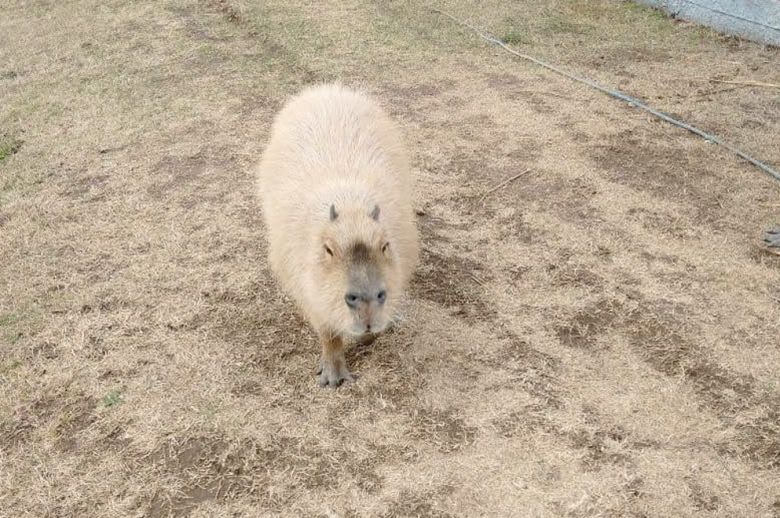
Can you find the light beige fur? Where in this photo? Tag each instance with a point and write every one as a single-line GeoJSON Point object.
{"type": "Point", "coordinates": [336, 187]}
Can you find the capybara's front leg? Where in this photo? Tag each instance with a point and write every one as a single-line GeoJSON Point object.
{"type": "Point", "coordinates": [333, 366]}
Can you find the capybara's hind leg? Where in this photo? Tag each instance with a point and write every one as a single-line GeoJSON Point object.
{"type": "Point", "coordinates": [333, 366]}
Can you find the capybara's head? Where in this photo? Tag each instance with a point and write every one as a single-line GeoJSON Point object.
{"type": "Point", "coordinates": [359, 270]}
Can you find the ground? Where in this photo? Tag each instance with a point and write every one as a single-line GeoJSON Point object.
{"type": "Point", "coordinates": [597, 337]}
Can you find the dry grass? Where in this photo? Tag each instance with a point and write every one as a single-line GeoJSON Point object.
{"type": "Point", "coordinates": [596, 338]}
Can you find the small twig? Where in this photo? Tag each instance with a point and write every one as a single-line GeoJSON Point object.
{"type": "Point", "coordinates": [502, 184]}
{"type": "Point", "coordinates": [103, 151]}
{"type": "Point", "coordinates": [719, 91]}
{"type": "Point", "coordinates": [743, 83]}
{"type": "Point", "coordinates": [552, 94]}
{"type": "Point", "coordinates": [476, 279]}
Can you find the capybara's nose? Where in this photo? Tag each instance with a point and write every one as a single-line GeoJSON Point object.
{"type": "Point", "coordinates": [381, 296]}
{"type": "Point", "coordinates": [352, 300]}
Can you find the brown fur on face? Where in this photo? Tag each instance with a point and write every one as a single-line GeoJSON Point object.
{"type": "Point", "coordinates": [357, 260]}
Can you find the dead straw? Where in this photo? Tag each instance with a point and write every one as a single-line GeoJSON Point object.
{"type": "Point", "coordinates": [743, 83]}
{"type": "Point", "coordinates": [502, 184]}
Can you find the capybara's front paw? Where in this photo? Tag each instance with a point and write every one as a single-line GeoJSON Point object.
{"type": "Point", "coordinates": [333, 372]}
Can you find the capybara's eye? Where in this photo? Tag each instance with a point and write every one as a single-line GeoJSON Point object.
{"type": "Point", "coordinates": [327, 249]}
{"type": "Point", "coordinates": [381, 296]}
{"type": "Point", "coordinates": [384, 247]}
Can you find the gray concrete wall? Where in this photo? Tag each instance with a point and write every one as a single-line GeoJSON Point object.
{"type": "Point", "coordinates": [757, 20]}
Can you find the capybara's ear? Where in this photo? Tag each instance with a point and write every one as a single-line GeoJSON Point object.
{"type": "Point", "coordinates": [333, 213]}
{"type": "Point", "coordinates": [375, 213]}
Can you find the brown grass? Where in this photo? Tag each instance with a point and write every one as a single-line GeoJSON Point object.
{"type": "Point", "coordinates": [596, 338]}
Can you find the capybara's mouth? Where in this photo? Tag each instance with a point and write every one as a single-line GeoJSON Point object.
{"type": "Point", "coordinates": [363, 330]}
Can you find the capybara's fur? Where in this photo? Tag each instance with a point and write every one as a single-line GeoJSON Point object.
{"type": "Point", "coordinates": [335, 185]}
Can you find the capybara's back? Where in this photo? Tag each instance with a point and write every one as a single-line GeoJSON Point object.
{"type": "Point", "coordinates": [335, 186]}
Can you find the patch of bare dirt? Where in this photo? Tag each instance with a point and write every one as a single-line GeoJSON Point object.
{"type": "Point", "coordinates": [532, 370]}
{"type": "Point", "coordinates": [69, 414]}
{"type": "Point", "coordinates": [760, 437]}
{"type": "Point", "coordinates": [595, 448]}
{"type": "Point", "coordinates": [202, 178]}
{"type": "Point", "coordinates": [669, 171]}
{"type": "Point", "coordinates": [442, 429]}
{"type": "Point", "coordinates": [504, 80]}
{"type": "Point", "coordinates": [703, 501]}
{"type": "Point", "coordinates": [657, 333]}
{"type": "Point", "coordinates": [584, 328]}
{"type": "Point", "coordinates": [205, 468]}
{"type": "Point", "coordinates": [419, 504]}
{"type": "Point", "coordinates": [451, 282]}
{"type": "Point", "coordinates": [408, 101]}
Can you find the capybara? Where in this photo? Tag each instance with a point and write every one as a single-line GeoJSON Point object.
{"type": "Point", "coordinates": [336, 190]}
